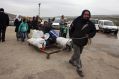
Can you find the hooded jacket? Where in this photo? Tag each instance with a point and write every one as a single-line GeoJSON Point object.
{"type": "Point", "coordinates": [17, 22]}
{"type": "Point", "coordinates": [4, 19]}
{"type": "Point", "coordinates": [81, 30]}
{"type": "Point", "coordinates": [23, 27]}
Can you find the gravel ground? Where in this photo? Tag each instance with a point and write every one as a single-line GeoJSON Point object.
{"type": "Point", "coordinates": [20, 61]}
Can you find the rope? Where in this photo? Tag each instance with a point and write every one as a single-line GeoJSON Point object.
{"type": "Point", "coordinates": [88, 44]}
{"type": "Point", "coordinates": [79, 38]}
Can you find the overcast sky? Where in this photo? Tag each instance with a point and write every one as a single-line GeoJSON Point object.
{"type": "Point", "coordinates": [59, 7]}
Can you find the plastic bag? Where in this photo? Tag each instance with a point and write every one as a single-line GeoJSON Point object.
{"type": "Point", "coordinates": [37, 34]}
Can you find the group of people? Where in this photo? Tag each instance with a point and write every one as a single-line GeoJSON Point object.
{"type": "Point", "coordinates": [62, 24]}
{"type": "Point", "coordinates": [23, 26]}
{"type": "Point", "coordinates": [63, 27]}
{"type": "Point", "coordinates": [80, 31]}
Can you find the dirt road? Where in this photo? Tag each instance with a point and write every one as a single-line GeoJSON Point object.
{"type": "Point", "coordinates": [20, 61]}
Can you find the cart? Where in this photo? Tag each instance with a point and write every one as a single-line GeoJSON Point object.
{"type": "Point", "coordinates": [49, 50]}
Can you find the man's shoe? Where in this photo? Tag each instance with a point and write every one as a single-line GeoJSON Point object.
{"type": "Point", "coordinates": [72, 63]}
{"type": "Point", "coordinates": [80, 73]}
{"type": "Point", "coordinates": [3, 40]}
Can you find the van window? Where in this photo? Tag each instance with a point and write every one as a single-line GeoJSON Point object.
{"type": "Point", "coordinates": [94, 21]}
{"type": "Point", "coordinates": [101, 23]}
{"type": "Point", "coordinates": [57, 20]}
{"type": "Point", "coordinates": [108, 23]}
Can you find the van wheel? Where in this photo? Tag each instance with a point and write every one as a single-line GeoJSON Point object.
{"type": "Point", "coordinates": [115, 33]}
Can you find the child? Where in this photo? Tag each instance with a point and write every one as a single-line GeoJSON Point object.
{"type": "Point", "coordinates": [65, 30]}
{"type": "Point", "coordinates": [17, 22]}
{"type": "Point", "coordinates": [23, 28]}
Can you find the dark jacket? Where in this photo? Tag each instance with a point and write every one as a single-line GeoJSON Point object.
{"type": "Point", "coordinates": [29, 26]}
{"type": "Point", "coordinates": [35, 24]}
{"type": "Point", "coordinates": [17, 23]}
{"type": "Point", "coordinates": [46, 28]}
{"type": "Point", "coordinates": [78, 31]}
{"type": "Point", "coordinates": [4, 20]}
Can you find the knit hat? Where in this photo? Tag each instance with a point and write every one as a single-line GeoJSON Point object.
{"type": "Point", "coordinates": [1, 10]}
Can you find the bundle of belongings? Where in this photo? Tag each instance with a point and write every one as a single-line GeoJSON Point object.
{"type": "Point", "coordinates": [41, 40]}
{"type": "Point", "coordinates": [65, 43]}
{"type": "Point", "coordinates": [37, 39]}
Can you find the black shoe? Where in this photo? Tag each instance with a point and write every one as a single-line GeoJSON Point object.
{"type": "Point", "coordinates": [3, 40]}
{"type": "Point", "coordinates": [80, 73]}
{"type": "Point", "coordinates": [22, 40]}
{"type": "Point", "coordinates": [72, 63]}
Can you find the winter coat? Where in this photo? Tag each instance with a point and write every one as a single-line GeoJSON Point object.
{"type": "Point", "coordinates": [17, 23]}
{"type": "Point", "coordinates": [29, 26]}
{"type": "Point", "coordinates": [4, 20]}
{"type": "Point", "coordinates": [23, 27]}
{"type": "Point", "coordinates": [46, 28]}
{"type": "Point", "coordinates": [35, 24]}
{"type": "Point", "coordinates": [65, 29]}
{"type": "Point", "coordinates": [81, 30]}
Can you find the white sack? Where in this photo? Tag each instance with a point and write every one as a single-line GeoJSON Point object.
{"type": "Point", "coordinates": [63, 41]}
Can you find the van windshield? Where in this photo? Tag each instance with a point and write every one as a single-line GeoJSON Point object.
{"type": "Point", "coordinates": [95, 21]}
{"type": "Point", "coordinates": [109, 23]}
{"type": "Point", "coordinates": [57, 20]}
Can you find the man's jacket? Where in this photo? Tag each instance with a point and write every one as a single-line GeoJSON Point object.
{"type": "Point", "coordinates": [4, 19]}
{"type": "Point", "coordinates": [81, 30]}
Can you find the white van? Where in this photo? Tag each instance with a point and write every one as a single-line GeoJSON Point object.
{"type": "Point", "coordinates": [95, 21]}
{"type": "Point", "coordinates": [107, 26]}
{"type": "Point", "coordinates": [56, 23]}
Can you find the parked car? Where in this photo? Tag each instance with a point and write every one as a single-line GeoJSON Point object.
{"type": "Point", "coordinates": [11, 23]}
{"type": "Point", "coordinates": [56, 23]}
{"type": "Point", "coordinates": [95, 21]}
{"type": "Point", "coordinates": [107, 26]}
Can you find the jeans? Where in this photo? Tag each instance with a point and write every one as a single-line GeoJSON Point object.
{"type": "Point", "coordinates": [76, 55]}
{"type": "Point", "coordinates": [23, 36]}
{"type": "Point", "coordinates": [2, 33]}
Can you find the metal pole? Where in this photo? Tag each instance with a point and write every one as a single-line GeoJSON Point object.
{"type": "Point", "coordinates": [39, 8]}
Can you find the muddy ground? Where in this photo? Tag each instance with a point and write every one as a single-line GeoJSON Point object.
{"type": "Point", "coordinates": [20, 61]}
